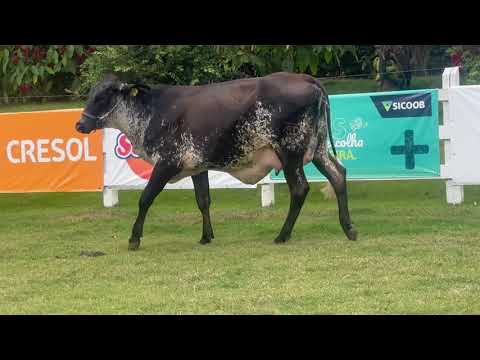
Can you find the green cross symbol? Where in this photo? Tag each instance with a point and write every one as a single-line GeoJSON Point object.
{"type": "Point", "coordinates": [409, 150]}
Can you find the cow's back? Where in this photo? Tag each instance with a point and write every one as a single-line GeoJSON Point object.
{"type": "Point", "coordinates": [239, 125]}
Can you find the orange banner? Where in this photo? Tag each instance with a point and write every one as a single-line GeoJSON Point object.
{"type": "Point", "coordinates": [42, 152]}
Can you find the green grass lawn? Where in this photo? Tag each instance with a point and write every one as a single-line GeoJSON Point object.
{"type": "Point", "coordinates": [415, 254]}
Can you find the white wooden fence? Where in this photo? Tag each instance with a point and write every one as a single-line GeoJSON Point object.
{"type": "Point", "coordinates": [459, 131]}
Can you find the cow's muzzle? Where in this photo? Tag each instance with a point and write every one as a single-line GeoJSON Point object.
{"type": "Point", "coordinates": [80, 127]}
{"type": "Point", "coordinates": [84, 127]}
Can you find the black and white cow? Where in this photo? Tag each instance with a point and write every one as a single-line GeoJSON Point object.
{"type": "Point", "coordinates": [243, 127]}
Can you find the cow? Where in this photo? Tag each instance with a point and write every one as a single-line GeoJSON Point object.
{"type": "Point", "coordinates": [245, 127]}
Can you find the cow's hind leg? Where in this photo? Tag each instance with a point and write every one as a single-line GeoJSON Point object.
{"type": "Point", "coordinates": [329, 166]}
{"type": "Point", "coordinates": [202, 194]}
{"type": "Point", "coordinates": [298, 186]}
{"type": "Point", "coordinates": [161, 174]}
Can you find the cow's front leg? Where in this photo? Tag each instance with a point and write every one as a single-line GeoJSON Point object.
{"type": "Point", "coordinates": [298, 186]}
{"type": "Point", "coordinates": [161, 174]}
{"type": "Point", "coordinates": [337, 175]}
{"type": "Point", "coordinates": [202, 194]}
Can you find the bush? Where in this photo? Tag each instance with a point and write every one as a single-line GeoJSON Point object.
{"type": "Point", "coordinates": [471, 64]}
{"type": "Point", "coordinates": [202, 64]}
{"type": "Point", "coordinates": [35, 70]}
{"type": "Point", "coordinates": [468, 58]}
{"type": "Point", "coordinates": [167, 64]}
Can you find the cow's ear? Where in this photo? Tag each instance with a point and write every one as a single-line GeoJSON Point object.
{"type": "Point", "coordinates": [133, 89]}
{"type": "Point", "coordinates": [142, 87]}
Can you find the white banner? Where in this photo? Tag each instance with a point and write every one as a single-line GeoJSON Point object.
{"type": "Point", "coordinates": [124, 170]}
{"type": "Point", "coordinates": [465, 134]}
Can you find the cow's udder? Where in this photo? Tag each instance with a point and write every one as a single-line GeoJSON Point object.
{"type": "Point", "coordinates": [263, 161]}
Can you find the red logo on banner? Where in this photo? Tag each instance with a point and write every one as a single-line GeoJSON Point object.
{"type": "Point", "coordinates": [124, 150]}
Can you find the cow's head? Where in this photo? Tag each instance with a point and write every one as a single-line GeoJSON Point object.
{"type": "Point", "coordinates": [103, 100]}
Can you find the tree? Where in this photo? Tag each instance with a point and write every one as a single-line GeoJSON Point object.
{"type": "Point", "coordinates": [421, 56]}
{"type": "Point", "coordinates": [393, 65]}
{"type": "Point", "coordinates": [265, 59]}
{"type": "Point", "coordinates": [468, 58]}
{"type": "Point", "coordinates": [168, 64]}
{"type": "Point", "coordinates": [201, 64]}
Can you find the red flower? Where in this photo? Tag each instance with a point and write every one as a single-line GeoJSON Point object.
{"type": "Point", "coordinates": [91, 50]}
{"type": "Point", "coordinates": [26, 52]}
{"type": "Point", "coordinates": [456, 59]}
{"type": "Point", "coordinates": [36, 53]}
{"type": "Point", "coordinates": [80, 59]}
{"type": "Point", "coordinates": [15, 60]}
{"type": "Point", "coordinates": [24, 88]}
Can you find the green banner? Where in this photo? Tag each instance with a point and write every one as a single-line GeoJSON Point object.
{"type": "Point", "coordinates": [389, 135]}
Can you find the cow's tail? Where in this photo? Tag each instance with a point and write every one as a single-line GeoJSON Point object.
{"type": "Point", "coordinates": [325, 104]}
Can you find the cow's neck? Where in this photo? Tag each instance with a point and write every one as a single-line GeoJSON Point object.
{"type": "Point", "coordinates": [132, 117]}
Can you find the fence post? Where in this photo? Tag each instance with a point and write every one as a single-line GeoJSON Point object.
{"type": "Point", "coordinates": [450, 78]}
{"type": "Point", "coordinates": [110, 197]}
{"type": "Point", "coordinates": [268, 195]}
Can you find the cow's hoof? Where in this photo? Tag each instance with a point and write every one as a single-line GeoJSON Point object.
{"type": "Point", "coordinates": [352, 234]}
{"type": "Point", "coordinates": [205, 241]}
{"type": "Point", "coordinates": [133, 245]}
{"type": "Point", "coordinates": [281, 239]}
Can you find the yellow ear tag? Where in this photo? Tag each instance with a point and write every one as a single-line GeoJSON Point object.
{"type": "Point", "coordinates": [134, 92]}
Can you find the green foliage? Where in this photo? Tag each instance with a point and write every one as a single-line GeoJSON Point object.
{"type": "Point", "coordinates": [50, 69]}
{"type": "Point", "coordinates": [201, 64]}
{"type": "Point", "coordinates": [39, 69]}
{"type": "Point", "coordinates": [468, 58]}
{"type": "Point", "coordinates": [168, 64]}
{"type": "Point", "coordinates": [472, 69]}
{"type": "Point", "coordinates": [264, 59]}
